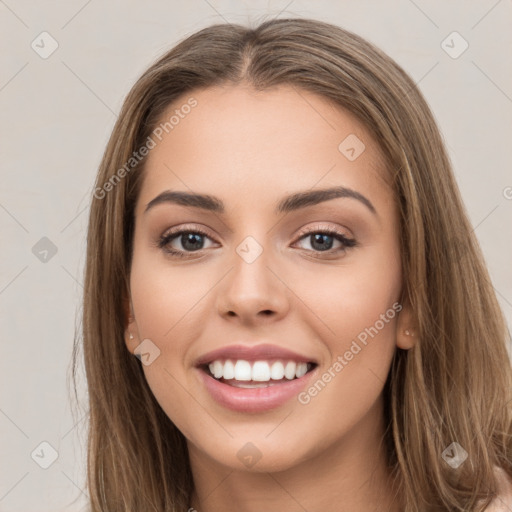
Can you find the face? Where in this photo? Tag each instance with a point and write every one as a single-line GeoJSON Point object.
{"type": "Point", "coordinates": [282, 277]}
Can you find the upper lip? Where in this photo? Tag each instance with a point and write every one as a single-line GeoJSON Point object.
{"type": "Point", "coordinates": [253, 353]}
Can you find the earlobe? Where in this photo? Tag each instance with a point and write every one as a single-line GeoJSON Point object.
{"type": "Point", "coordinates": [130, 333]}
{"type": "Point", "coordinates": [406, 336]}
{"type": "Point", "coordinates": [406, 340]}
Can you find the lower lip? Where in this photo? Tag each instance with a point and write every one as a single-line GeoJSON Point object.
{"type": "Point", "coordinates": [256, 399]}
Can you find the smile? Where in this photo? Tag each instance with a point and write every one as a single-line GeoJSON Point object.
{"type": "Point", "coordinates": [255, 386]}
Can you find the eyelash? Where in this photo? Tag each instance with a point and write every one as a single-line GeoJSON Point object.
{"type": "Point", "coordinates": [348, 243]}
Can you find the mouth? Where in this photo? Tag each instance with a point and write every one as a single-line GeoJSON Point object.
{"type": "Point", "coordinates": [255, 386]}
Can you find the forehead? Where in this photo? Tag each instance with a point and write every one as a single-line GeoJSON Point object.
{"type": "Point", "coordinates": [236, 139]}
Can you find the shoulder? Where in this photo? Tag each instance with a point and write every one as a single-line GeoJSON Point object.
{"type": "Point", "coordinates": [503, 501]}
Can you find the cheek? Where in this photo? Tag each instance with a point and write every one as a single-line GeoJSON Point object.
{"type": "Point", "coordinates": [165, 297]}
{"type": "Point", "coordinates": [346, 300]}
{"type": "Point", "coordinates": [356, 309]}
{"type": "Point", "coordinates": [348, 386]}
{"type": "Point", "coordinates": [165, 302]}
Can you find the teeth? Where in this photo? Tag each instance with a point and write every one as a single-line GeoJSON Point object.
{"type": "Point", "coordinates": [289, 370]}
{"type": "Point", "coordinates": [243, 370]}
{"type": "Point", "coordinates": [302, 369]}
{"type": "Point", "coordinates": [277, 371]}
{"type": "Point", "coordinates": [217, 369]}
{"type": "Point", "coordinates": [259, 371]}
{"type": "Point", "coordinates": [229, 370]}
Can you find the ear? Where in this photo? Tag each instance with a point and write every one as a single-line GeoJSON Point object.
{"type": "Point", "coordinates": [406, 333]}
{"type": "Point", "coordinates": [131, 333]}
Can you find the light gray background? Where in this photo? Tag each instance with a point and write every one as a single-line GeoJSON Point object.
{"type": "Point", "coordinates": [57, 114]}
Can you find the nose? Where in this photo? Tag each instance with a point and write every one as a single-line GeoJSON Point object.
{"type": "Point", "coordinates": [253, 293]}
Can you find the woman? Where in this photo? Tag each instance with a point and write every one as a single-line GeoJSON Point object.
{"type": "Point", "coordinates": [277, 236]}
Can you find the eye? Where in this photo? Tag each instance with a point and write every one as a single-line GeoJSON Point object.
{"type": "Point", "coordinates": [186, 240]}
{"type": "Point", "coordinates": [322, 240]}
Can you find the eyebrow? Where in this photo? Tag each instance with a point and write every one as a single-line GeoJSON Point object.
{"type": "Point", "coordinates": [288, 204]}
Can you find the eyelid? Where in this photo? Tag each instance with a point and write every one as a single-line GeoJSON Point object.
{"type": "Point", "coordinates": [324, 228]}
{"type": "Point", "coordinates": [187, 227]}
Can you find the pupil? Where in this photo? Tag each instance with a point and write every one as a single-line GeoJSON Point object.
{"type": "Point", "coordinates": [193, 239]}
{"type": "Point", "coordinates": [320, 239]}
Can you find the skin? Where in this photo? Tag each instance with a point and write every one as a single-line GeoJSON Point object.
{"type": "Point", "coordinates": [250, 149]}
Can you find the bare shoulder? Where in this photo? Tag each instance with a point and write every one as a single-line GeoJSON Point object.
{"type": "Point", "coordinates": [503, 501]}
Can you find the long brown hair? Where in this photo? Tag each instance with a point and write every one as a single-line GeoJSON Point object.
{"type": "Point", "coordinates": [453, 386]}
